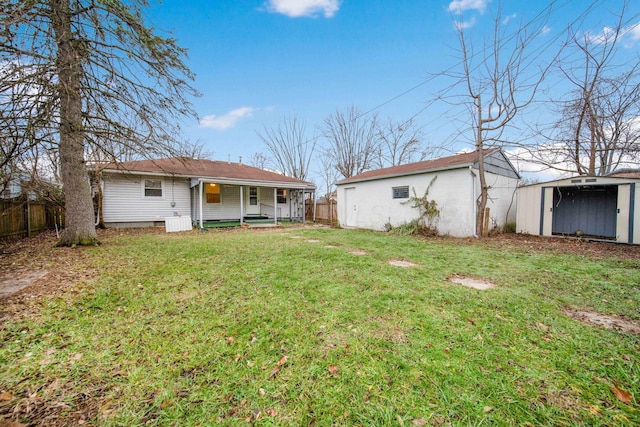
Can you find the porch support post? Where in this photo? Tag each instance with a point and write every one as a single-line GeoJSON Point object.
{"type": "Point", "coordinates": [200, 193]}
{"type": "Point", "coordinates": [314, 205]}
{"type": "Point", "coordinates": [304, 206]}
{"type": "Point", "coordinates": [275, 205]}
{"type": "Point", "coordinates": [241, 205]}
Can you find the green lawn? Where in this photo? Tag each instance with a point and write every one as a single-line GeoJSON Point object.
{"type": "Point", "coordinates": [225, 328]}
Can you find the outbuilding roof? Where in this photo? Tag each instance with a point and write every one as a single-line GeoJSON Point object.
{"type": "Point", "coordinates": [443, 163]}
{"type": "Point", "coordinates": [203, 169]}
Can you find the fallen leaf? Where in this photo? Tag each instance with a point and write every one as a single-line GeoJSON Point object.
{"type": "Point", "coordinates": [282, 360]}
{"type": "Point", "coordinates": [272, 413]}
{"type": "Point", "coordinates": [230, 340]}
{"type": "Point", "coordinates": [5, 395]}
{"type": "Point", "coordinates": [419, 422]}
{"type": "Point", "coordinates": [470, 320]}
{"type": "Point", "coordinates": [488, 409]}
{"type": "Point", "coordinates": [626, 357]}
{"type": "Point", "coordinates": [274, 371]}
{"type": "Point", "coordinates": [262, 392]}
{"type": "Point", "coordinates": [622, 395]}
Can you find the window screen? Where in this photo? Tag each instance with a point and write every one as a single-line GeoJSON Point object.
{"type": "Point", "coordinates": [401, 192]}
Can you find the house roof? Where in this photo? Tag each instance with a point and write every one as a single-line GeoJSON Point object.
{"type": "Point", "coordinates": [206, 170]}
{"type": "Point", "coordinates": [626, 173]}
{"type": "Point", "coordinates": [443, 163]}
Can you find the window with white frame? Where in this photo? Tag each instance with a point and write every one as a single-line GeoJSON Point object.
{"type": "Point", "coordinates": [152, 188]}
{"type": "Point", "coordinates": [401, 192]}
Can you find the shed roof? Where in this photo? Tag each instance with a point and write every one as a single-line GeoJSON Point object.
{"type": "Point", "coordinates": [205, 170]}
{"type": "Point", "coordinates": [443, 163]}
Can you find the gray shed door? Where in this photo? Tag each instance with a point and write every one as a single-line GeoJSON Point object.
{"type": "Point", "coordinates": [591, 210]}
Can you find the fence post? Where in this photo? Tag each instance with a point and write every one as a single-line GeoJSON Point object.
{"type": "Point", "coordinates": [28, 215]}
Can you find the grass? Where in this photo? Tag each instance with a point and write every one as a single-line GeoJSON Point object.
{"type": "Point", "coordinates": [226, 328]}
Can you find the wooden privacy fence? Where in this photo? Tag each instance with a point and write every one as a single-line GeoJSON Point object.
{"type": "Point", "coordinates": [326, 212]}
{"type": "Point", "coordinates": [25, 218]}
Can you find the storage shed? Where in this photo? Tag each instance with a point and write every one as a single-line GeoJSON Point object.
{"type": "Point", "coordinates": [604, 208]}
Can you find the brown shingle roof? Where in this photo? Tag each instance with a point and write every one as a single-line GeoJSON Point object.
{"type": "Point", "coordinates": [443, 163]}
{"type": "Point", "coordinates": [202, 168]}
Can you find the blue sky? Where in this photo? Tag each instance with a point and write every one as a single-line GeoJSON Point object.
{"type": "Point", "coordinates": [258, 61]}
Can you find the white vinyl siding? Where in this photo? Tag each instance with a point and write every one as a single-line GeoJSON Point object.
{"type": "Point", "coordinates": [228, 209]}
{"type": "Point", "coordinates": [123, 200]}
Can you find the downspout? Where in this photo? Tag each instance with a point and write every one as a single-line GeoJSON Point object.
{"type": "Point", "coordinates": [200, 204]}
{"type": "Point", "coordinates": [474, 200]}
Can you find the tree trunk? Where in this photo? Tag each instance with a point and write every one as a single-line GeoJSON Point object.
{"type": "Point", "coordinates": [482, 199]}
{"type": "Point", "coordinates": [79, 229]}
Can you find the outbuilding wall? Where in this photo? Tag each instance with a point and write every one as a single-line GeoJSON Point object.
{"type": "Point", "coordinates": [370, 204]}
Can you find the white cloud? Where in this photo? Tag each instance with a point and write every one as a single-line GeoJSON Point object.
{"type": "Point", "coordinates": [459, 6]}
{"type": "Point", "coordinates": [462, 25]}
{"type": "Point", "coordinates": [228, 120]}
{"type": "Point", "coordinates": [629, 35]}
{"type": "Point", "coordinates": [300, 8]}
{"type": "Point", "coordinates": [546, 29]}
{"type": "Point", "coordinates": [633, 32]}
{"type": "Point", "coordinates": [509, 18]}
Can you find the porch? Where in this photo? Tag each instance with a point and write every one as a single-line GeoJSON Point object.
{"type": "Point", "coordinates": [227, 203]}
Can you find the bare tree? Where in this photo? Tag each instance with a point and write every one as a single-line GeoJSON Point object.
{"type": "Point", "coordinates": [328, 175]}
{"type": "Point", "coordinates": [259, 160]}
{"type": "Point", "coordinates": [498, 85]}
{"type": "Point", "coordinates": [81, 72]}
{"type": "Point", "coordinates": [399, 143]}
{"type": "Point", "coordinates": [291, 148]}
{"type": "Point", "coordinates": [352, 141]}
{"type": "Point", "coordinates": [599, 128]}
{"type": "Point", "coordinates": [193, 150]}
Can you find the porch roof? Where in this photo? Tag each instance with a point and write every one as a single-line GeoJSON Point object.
{"type": "Point", "coordinates": [209, 171]}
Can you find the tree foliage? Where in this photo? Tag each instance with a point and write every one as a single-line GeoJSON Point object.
{"type": "Point", "coordinates": [75, 74]}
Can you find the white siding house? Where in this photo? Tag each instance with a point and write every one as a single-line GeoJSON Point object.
{"type": "Point", "coordinates": [606, 208]}
{"type": "Point", "coordinates": [144, 193]}
{"type": "Point", "coordinates": [376, 198]}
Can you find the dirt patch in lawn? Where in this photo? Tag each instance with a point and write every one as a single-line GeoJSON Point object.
{"type": "Point", "coordinates": [312, 241]}
{"type": "Point", "coordinates": [606, 321]}
{"type": "Point", "coordinates": [402, 263]}
{"type": "Point", "coordinates": [528, 243]}
{"type": "Point", "coordinates": [470, 282]}
{"type": "Point", "coordinates": [358, 252]}
{"type": "Point", "coordinates": [33, 267]}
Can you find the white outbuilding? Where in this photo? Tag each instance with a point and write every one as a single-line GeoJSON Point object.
{"type": "Point", "coordinates": [593, 207]}
{"type": "Point", "coordinates": [377, 198]}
